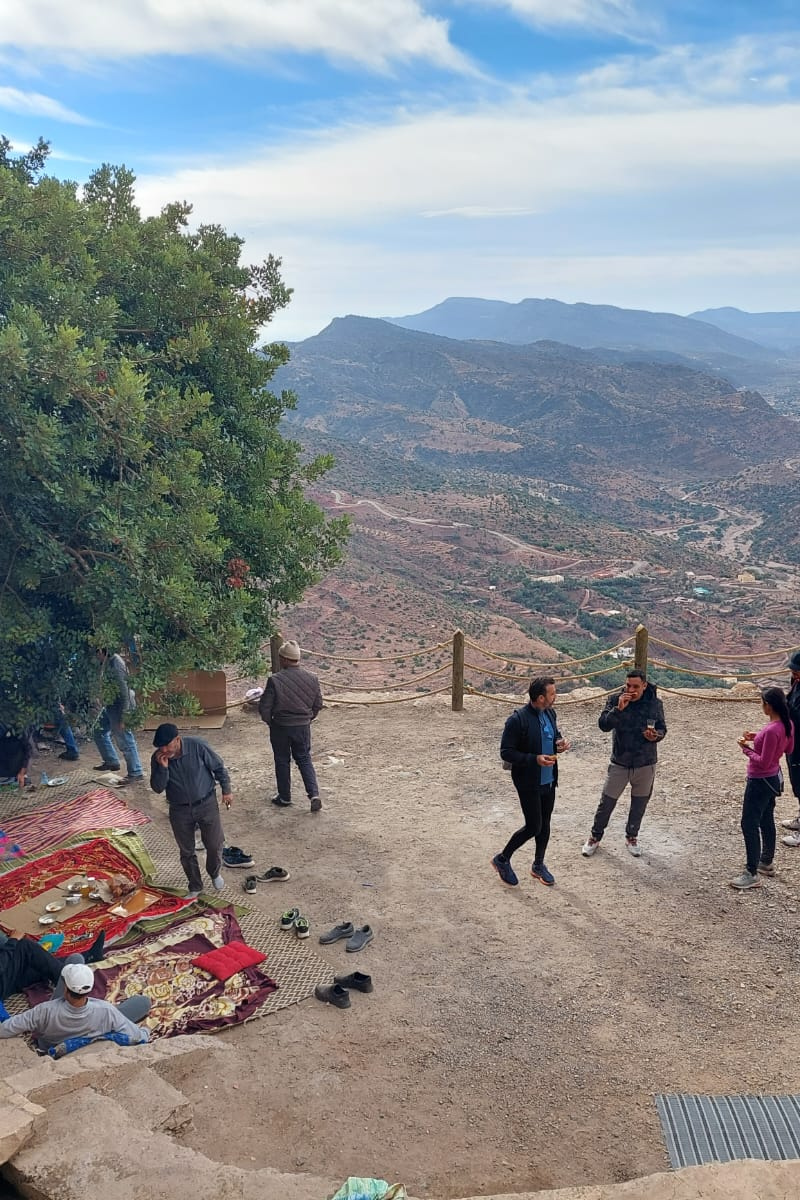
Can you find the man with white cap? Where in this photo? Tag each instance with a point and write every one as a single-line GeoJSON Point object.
{"type": "Point", "coordinates": [289, 703]}
{"type": "Point", "coordinates": [77, 1015]}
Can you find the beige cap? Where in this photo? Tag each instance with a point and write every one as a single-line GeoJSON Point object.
{"type": "Point", "coordinates": [290, 651]}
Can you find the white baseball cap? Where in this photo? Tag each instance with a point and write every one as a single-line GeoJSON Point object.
{"type": "Point", "coordinates": [78, 978]}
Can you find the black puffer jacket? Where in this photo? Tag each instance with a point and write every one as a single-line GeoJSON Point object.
{"type": "Point", "coordinates": [630, 748]}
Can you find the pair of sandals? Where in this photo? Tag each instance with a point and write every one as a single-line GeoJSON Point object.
{"type": "Point", "coordinates": [273, 875]}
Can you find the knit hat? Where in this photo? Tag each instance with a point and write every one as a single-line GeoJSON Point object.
{"type": "Point", "coordinates": [78, 978]}
{"type": "Point", "coordinates": [290, 651]}
{"type": "Point", "coordinates": [166, 733]}
{"type": "Point", "coordinates": [794, 662]}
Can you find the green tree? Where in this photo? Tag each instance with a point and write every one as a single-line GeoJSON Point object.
{"type": "Point", "coordinates": [146, 487]}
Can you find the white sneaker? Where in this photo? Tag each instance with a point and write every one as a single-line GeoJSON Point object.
{"type": "Point", "coordinates": [793, 824]}
{"type": "Point", "coordinates": [589, 847]}
{"type": "Point", "coordinates": [791, 839]}
{"type": "Point", "coordinates": [633, 847]}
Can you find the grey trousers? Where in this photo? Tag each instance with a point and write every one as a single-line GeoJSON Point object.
{"type": "Point", "coordinates": [205, 815]}
{"type": "Point", "coordinates": [641, 780]}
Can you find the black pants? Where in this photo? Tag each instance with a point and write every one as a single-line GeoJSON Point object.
{"type": "Point", "coordinates": [23, 963]}
{"type": "Point", "coordinates": [758, 821]}
{"type": "Point", "coordinates": [537, 805]}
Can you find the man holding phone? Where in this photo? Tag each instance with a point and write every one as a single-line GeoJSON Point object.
{"type": "Point", "coordinates": [188, 770]}
{"type": "Point", "coordinates": [530, 744]}
{"type": "Point", "coordinates": [635, 716]}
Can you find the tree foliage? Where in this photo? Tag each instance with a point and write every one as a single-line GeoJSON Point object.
{"type": "Point", "coordinates": [146, 488]}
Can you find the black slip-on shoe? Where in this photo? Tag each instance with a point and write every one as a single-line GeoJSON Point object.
{"type": "Point", "coordinates": [279, 802]}
{"type": "Point", "coordinates": [332, 993]}
{"type": "Point", "coordinates": [345, 930]}
{"type": "Point", "coordinates": [107, 767]}
{"type": "Point", "coordinates": [357, 980]}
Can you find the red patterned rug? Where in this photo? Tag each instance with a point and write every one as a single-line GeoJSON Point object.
{"type": "Point", "coordinates": [97, 857]}
{"type": "Point", "coordinates": [94, 810]}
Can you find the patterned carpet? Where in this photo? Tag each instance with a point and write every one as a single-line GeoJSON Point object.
{"type": "Point", "coordinates": [294, 965]}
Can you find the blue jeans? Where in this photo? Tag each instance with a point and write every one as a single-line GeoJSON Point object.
{"type": "Point", "coordinates": [110, 721]}
{"type": "Point", "coordinates": [65, 733]}
{"type": "Point", "coordinates": [293, 742]}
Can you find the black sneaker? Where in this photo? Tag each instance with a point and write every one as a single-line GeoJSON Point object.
{"type": "Point", "coordinates": [68, 756]}
{"type": "Point", "coordinates": [316, 804]}
{"type": "Point", "coordinates": [274, 875]}
{"type": "Point", "coordinates": [232, 856]}
{"type": "Point", "coordinates": [107, 767]}
{"type": "Point", "coordinates": [279, 802]}
{"type": "Point", "coordinates": [505, 870]}
{"type": "Point", "coordinates": [332, 993]}
{"type": "Point", "coordinates": [250, 885]}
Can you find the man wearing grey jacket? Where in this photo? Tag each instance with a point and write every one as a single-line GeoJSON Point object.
{"type": "Point", "coordinates": [188, 770]}
{"type": "Point", "coordinates": [289, 703]}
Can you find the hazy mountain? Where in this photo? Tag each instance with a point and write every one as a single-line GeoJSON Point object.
{"type": "Point", "coordinates": [587, 325]}
{"type": "Point", "coordinates": [778, 329]}
{"type": "Point", "coordinates": [525, 409]}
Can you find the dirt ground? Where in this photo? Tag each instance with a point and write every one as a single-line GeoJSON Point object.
{"type": "Point", "coordinates": [515, 1038]}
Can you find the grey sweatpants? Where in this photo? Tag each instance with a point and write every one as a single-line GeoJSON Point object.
{"type": "Point", "coordinates": [641, 780]}
{"type": "Point", "coordinates": [205, 815]}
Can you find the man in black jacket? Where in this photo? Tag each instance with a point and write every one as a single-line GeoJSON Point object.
{"type": "Point", "coordinates": [636, 717]}
{"type": "Point", "coordinates": [531, 740]}
{"type": "Point", "coordinates": [793, 757]}
{"type": "Point", "coordinates": [291, 700]}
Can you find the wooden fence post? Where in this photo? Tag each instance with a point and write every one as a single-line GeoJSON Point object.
{"type": "Point", "coordinates": [640, 649]}
{"type": "Point", "coordinates": [457, 693]}
{"type": "Point", "coordinates": [275, 643]}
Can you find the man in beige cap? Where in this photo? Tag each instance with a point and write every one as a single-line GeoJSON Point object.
{"type": "Point", "coordinates": [289, 703]}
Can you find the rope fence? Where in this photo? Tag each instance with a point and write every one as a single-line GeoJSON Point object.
{"type": "Point", "coordinates": [612, 663]}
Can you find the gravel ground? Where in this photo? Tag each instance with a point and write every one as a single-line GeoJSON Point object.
{"type": "Point", "coordinates": [515, 1038]}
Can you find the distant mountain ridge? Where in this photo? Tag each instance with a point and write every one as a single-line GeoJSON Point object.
{"type": "Point", "coordinates": [780, 330]}
{"type": "Point", "coordinates": [515, 408]}
{"type": "Point", "coordinates": [584, 325]}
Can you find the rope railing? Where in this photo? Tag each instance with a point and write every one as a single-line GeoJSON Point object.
{"type": "Point", "coordinates": [765, 664]}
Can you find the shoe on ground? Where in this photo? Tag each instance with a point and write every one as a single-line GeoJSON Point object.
{"type": "Point", "coordinates": [793, 824]}
{"type": "Point", "coordinates": [68, 756]}
{"type": "Point", "coordinates": [332, 993]}
{"type": "Point", "coordinates": [344, 930]}
{"type": "Point", "coordinates": [633, 847]}
{"type": "Point", "coordinates": [301, 927]}
{"type": "Point", "coordinates": [791, 839]}
{"type": "Point", "coordinates": [218, 883]}
{"type": "Point", "coordinates": [232, 856]}
{"type": "Point", "coordinates": [288, 919]}
{"type": "Point", "coordinates": [359, 939]}
{"type": "Point", "coordinates": [539, 871]}
{"type": "Point", "coordinates": [316, 804]}
{"type": "Point", "coordinates": [355, 980]}
{"type": "Point", "coordinates": [250, 885]}
{"type": "Point", "coordinates": [745, 881]}
{"type": "Point", "coordinates": [274, 875]}
{"type": "Point", "coordinates": [107, 767]}
{"type": "Point", "coordinates": [129, 780]}
{"type": "Point", "coordinates": [589, 847]}
{"type": "Point", "coordinates": [767, 869]}
{"type": "Point", "coordinates": [279, 802]}
{"type": "Point", "coordinates": [505, 870]}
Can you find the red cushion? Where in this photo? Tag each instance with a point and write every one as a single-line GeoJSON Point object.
{"type": "Point", "coordinates": [227, 960]}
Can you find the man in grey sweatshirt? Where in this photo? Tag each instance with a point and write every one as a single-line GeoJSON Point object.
{"type": "Point", "coordinates": [76, 1015]}
{"type": "Point", "coordinates": [188, 770]}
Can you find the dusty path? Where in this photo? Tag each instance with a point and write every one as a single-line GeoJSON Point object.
{"type": "Point", "coordinates": [515, 1038]}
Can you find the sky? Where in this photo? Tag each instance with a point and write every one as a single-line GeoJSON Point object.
{"type": "Point", "coordinates": [392, 153]}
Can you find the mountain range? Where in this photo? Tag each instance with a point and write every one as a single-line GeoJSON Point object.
{"type": "Point", "coordinates": [780, 330]}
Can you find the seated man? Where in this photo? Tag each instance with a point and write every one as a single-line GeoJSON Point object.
{"type": "Point", "coordinates": [24, 962]}
{"type": "Point", "coordinates": [75, 1015]}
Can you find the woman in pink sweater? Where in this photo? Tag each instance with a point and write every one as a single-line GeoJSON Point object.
{"type": "Point", "coordinates": [764, 751]}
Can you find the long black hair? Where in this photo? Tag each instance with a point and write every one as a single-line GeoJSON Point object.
{"type": "Point", "coordinates": [776, 699]}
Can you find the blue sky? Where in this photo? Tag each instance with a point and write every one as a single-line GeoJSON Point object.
{"type": "Point", "coordinates": [395, 152]}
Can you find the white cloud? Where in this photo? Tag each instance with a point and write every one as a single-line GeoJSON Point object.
{"type": "Point", "coordinates": [373, 33]}
{"type": "Point", "coordinates": [34, 104]}
{"type": "Point", "coordinates": [612, 16]}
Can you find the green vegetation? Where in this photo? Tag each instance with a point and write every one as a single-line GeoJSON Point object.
{"type": "Point", "coordinates": [146, 490]}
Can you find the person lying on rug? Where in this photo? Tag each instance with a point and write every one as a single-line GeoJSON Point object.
{"type": "Point", "coordinates": [188, 770]}
{"type": "Point", "coordinates": [77, 1015]}
{"type": "Point", "coordinates": [24, 962]}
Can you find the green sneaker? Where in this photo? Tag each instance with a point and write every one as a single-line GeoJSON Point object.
{"type": "Point", "coordinates": [301, 926]}
{"type": "Point", "coordinates": [288, 919]}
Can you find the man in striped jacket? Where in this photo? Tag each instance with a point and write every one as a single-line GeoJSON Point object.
{"type": "Point", "coordinates": [289, 703]}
